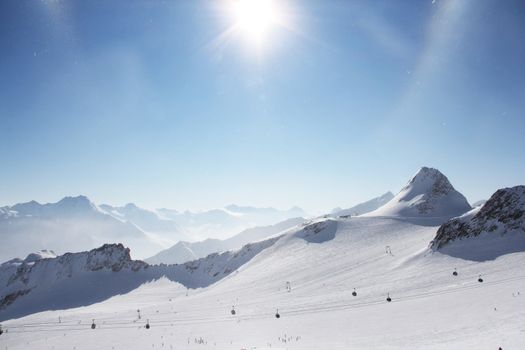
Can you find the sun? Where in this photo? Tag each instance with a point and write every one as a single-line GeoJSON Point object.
{"type": "Point", "coordinates": [255, 18]}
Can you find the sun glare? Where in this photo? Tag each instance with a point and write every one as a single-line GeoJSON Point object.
{"type": "Point", "coordinates": [255, 18]}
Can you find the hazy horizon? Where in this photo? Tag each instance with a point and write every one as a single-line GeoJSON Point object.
{"type": "Point", "coordinates": [183, 105]}
{"type": "Point", "coordinates": [313, 212]}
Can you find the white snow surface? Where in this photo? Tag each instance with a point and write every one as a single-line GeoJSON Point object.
{"type": "Point", "coordinates": [428, 194]}
{"type": "Point", "coordinates": [323, 261]}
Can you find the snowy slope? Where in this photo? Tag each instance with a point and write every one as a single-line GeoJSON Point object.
{"type": "Point", "coordinates": [427, 194]}
{"type": "Point", "coordinates": [323, 261]}
{"type": "Point", "coordinates": [10, 268]}
{"type": "Point", "coordinates": [71, 224]}
{"type": "Point", "coordinates": [42, 282]}
{"type": "Point", "coordinates": [496, 228]}
{"type": "Point", "coordinates": [37, 284]}
{"type": "Point", "coordinates": [186, 251]}
{"type": "Point", "coordinates": [365, 207]}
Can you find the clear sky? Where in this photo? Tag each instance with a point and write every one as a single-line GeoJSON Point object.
{"type": "Point", "coordinates": [180, 104]}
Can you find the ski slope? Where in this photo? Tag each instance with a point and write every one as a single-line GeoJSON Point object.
{"type": "Point", "coordinates": [324, 262]}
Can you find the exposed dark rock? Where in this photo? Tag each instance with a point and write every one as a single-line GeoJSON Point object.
{"type": "Point", "coordinates": [504, 212]}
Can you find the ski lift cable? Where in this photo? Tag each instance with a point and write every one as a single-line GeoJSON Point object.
{"type": "Point", "coordinates": [115, 320]}
{"type": "Point", "coordinates": [271, 294]}
{"type": "Point", "coordinates": [441, 291]}
{"type": "Point", "coordinates": [58, 328]}
{"type": "Point", "coordinates": [465, 277]}
{"type": "Point", "coordinates": [414, 296]}
{"type": "Point", "coordinates": [298, 286]}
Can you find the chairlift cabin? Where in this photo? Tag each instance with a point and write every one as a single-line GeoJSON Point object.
{"type": "Point", "coordinates": [455, 273]}
{"type": "Point", "coordinates": [147, 324]}
{"type": "Point", "coordinates": [388, 298]}
{"type": "Point", "coordinates": [480, 279]}
{"type": "Point", "coordinates": [93, 325]}
{"type": "Point", "coordinates": [277, 315]}
{"type": "Point", "coordinates": [354, 293]}
{"type": "Point", "coordinates": [233, 311]}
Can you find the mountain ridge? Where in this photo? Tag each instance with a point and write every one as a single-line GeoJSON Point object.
{"type": "Point", "coordinates": [495, 228]}
{"type": "Point", "coordinates": [364, 207]}
{"type": "Point", "coordinates": [186, 251]}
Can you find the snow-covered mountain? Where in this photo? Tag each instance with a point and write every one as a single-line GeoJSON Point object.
{"type": "Point", "coordinates": [365, 207]}
{"type": "Point", "coordinates": [364, 282]}
{"type": "Point", "coordinates": [427, 194]}
{"type": "Point", "coordinates": [49, 282]}
{"type": "Point", "coordinates": [479, 203]}
{"type": "Point", "coordinates": [46, 282]}
{"type": "Point", "coordinates": [39, 255]}
{"type": "Point", "coordinates": [76, 223]}
{"type": "Point", "coordinates": [222, 223]}
{"type": "Point", "coordinates": [186, 251]}
{"type": "Point", "coordinates": [307, 274]}
{"type": "Point", "coordinates": [71, 224]}
{"type": "Point", "coordinates": [497, 227]}
{"type": "Point", "coordinates": [31, 258]}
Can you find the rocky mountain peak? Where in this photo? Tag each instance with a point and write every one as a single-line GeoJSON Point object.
{"type": "Point", "coordinates": [502, 214]}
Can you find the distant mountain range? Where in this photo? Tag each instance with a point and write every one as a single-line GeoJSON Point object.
{"type": "Point", "coordinates": [225, 222]}
{"type": "Point", "coordinates": [71, 224]}
{"type": "Point", "coordinates": [169, 236]}
{"type": "Point", "coordinates": [187, 251]}
{"type": "Point", "coordinates": [76, 223]}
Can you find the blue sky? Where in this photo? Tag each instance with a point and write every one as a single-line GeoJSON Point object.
{"type": "Point", "coordinates": [148, 101]}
